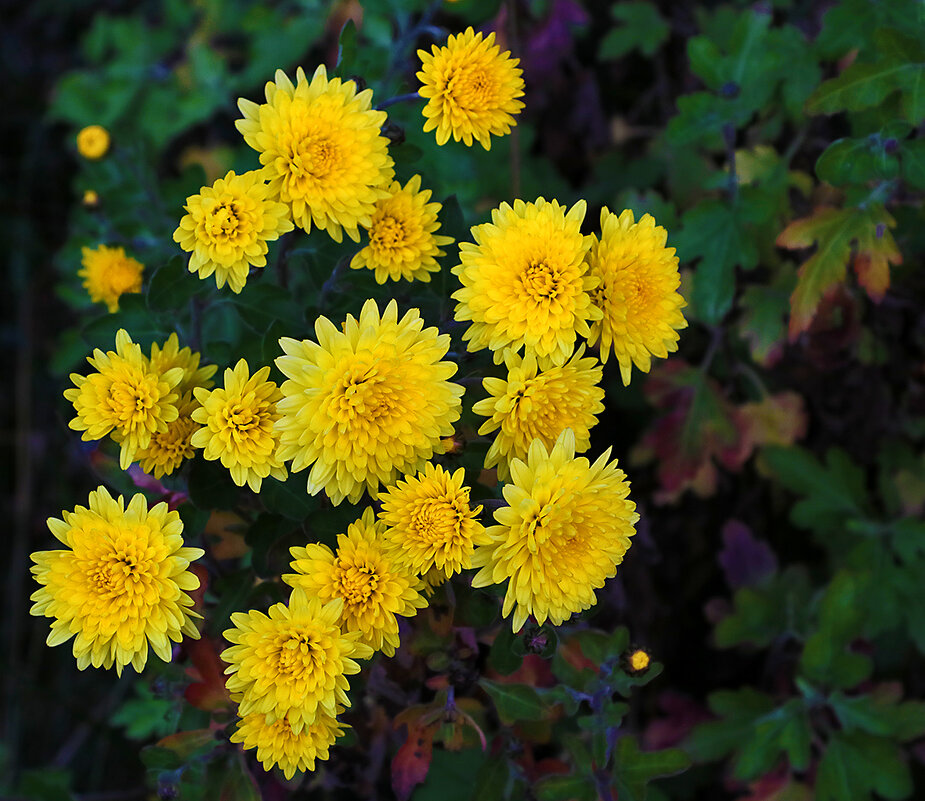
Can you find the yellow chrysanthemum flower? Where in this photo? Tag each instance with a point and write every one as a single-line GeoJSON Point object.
{"type": "Point", "coordinates": [237, 422]}
{"type": "Point", "coordinates": [169, 355]}
{"type": "Point", "coordinates": [402, 238]}
{"type": "Point", "coordinates": [167, 450]}
{"type": "Point", "coordinates": [525, 281]}
{"type": "Point", "coordinates": [322, 150]}
{"type": "Point", "coordinates": [429, 522]}
{"type": "Point", "coordinates": [373, 586]}
{"type": "Point", "coordinates": [293, 662]}
{"type": "Point", "coordinates": [278, 744]}
{"type": "Point", "coordinates": [539, 404]}
{"type": "Point", "coordinates": [368, 403]}
{"type": "Point", "coordinates": [108, 274]}
{"type": "Point", "coordinates": [120, 585]}
{"type": "Point", "coordinates": [565, 530]}
{"type": "Point", "coordinates": [471, 89]}
{"type": "Point", "coordinates": [637, 291]}
{"type": "Point", "coordinates": [93, 142]}
{"type": "Point", "coordinates": [227, 227]}
{"type": "Point", "coordinates": [126, 397]}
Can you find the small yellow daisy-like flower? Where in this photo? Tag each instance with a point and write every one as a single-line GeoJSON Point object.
{"type": "Point", "coordinates": [292, 663]}
{"type": "Point", "coordinates": [429, 522]}
{"type": "Point", "coordinates": [402, 238]}
{"type": "Point", "coordinates": [565, 530]}
{"type": "Point", "coordinates": [374, 588]}
{"type": "Point", "coordinates": [322, 149]}
{"type": "Point", "coordinates": [93, 142]}
{"type": "Point", "coordinates": [278, 744]}
{"type": "Point", "coordinates": [368, 403]}
{"type": "Point", "coordinates": [91, 198]}
{"type": "Point", "coordinates": [471, 89]}
{"type": "Point", "coordinates": [108, 274]}
{"type": "Point", "coordinates": [167, 449]}
{"type": "Point", "coordinates": [637, 291]}
{"type": "Point", "coordinates": [120, 584]}
{"type": "Point", "coordinates": [227, 227]}
{"type": "Point", "coordinates": [169, 355]}
{"type": "Point", "coordinates": [539, 404]}
{"type": "Point", "coordinates": [525, 281]}
{"type": "Point", "coordinates": [126, 398]}
{"type": "Point", "coordinates": [237, 422]}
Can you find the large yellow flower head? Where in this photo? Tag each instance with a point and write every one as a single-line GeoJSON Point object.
{"type": "Point", "coordinates": [93, 142]}
{"type": "Point", "coordinates": [539, 404]}
{"type": "Point", "coordinates": [167, 449]}
{"type": "Point", "coordinates": [525, 281]}
{"type": "Point", "coordinates": [321, 149]}
{"type": "Point", "coordinates": [565, 530]}
{"type": "Point", "coordinates": [374, 588]}
{"type": "Point", "coordinates": [402, 238]}
{"type": "Point", "coordinates": [120, 583]}
{"type": "Point", "coordinates": [169, 355]}
{"type": "Point", "coordinates": [108, 274]}
{"type": "Point", "coordinates": [227, 227]}
{"type": "Point", "coordinates": [293, 662]}
{"type": "Point", "coordinates": [366, 404]}
{"type": "Point", "coordinates": [278, 744]}
{"type": "Point", "coordinates": [237, 422]}
{"type": "Point", "coordinates": [430, 523]}
{"type": "Point", "coordinates": [126, 397]}
{"type": "Point", "coordinates": [471, 89]}
{"type": "Point", "coordinates": [637, 291]}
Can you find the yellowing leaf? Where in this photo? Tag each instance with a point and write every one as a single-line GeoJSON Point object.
{"type": "Point", "coordinates": [876, 252]}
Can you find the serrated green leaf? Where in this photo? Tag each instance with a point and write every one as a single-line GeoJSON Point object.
{"type": "Point", "coordinates": [856, 764]}
{"type": "Point", "coordinates": [515, 702]}
{"type": "Point", "coordinates": [860, 86]}
{"type": "Point", "coordinates": [737, 710]}
{"type": "Point", "coordinates": [642, 27]}
{"type": "Point", "coordinates": [857, 161]}
{"type": "Point", "coordinates": [634, 769]}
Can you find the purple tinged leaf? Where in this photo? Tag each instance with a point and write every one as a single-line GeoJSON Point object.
{"type": "Point", "coordinates": [745, 560]}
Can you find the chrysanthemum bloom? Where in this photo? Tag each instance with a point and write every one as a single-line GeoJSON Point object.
{"type": "Point", "coordinates": [373, 586]}
{"type": "Point", "coordinates": [322, 150]}
{"type": "Point", "coordinates": [169, 355]}
{"type": "Point", "coordinates": [525, 281]}
{"type": "Point", "coordinates": [227, 227]}
{"type": "Point", "coordinates": [471, 89]}
{"type": "Point", "coordinates": [366, 404]}
{"type": "Point", "coordinates": [429, 522]}
{"type": "Point", "coordinates": [402, 238]}
{"type": "Point", "coordinates": [637, 291]}
{"type": "Point", "coordinates": [293, 662]}
{"type": "Point", "coordinates": [120, 585]}
{"type": "Point", "coordinates": [237, 422]}
{"type": "Point", "coordinates": [93, 142]}
{"type": "Point", "coordinates": [539, 404]}
{"type": "Point", "coordinates": [565, 531]}
{"type": "Point", "coordinates": [126, 397]}
{"type": "Point", "coordinates": [167, 449]}
{"type": "Point", "coordinates": [108, 274]}
{"type": "Point", "coordinates": [278, 744]}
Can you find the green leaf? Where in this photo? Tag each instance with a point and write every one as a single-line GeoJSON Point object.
{"type": "Point", "coordinates": [856, 764]}
{"type": "Point", "coordinates": [737, 710]}
{"type": "Point", "coordinates": [880, 714]}
{"type": "Point", "coordinates": [912, 157]}
{"type": "Point", "coordinates": [858, 87]}
{"type": "Point", "coordinates": [856, 161]}
{"type": "Point", "coordinates": [764, 310]}
{"type": "Point", "coordinates": [289, 498]}
{"type": "Point", "coordinates": [566, 788]}
{"type": "Point", "coordinates": [493, 781]}
{"type": "Point", "coordinates": [172, 285]}
{"type": "Point", "coordinates": [634, 769]}
{"type": "Point", "coordinates": [642, 27]}
{"type": "Point", "coordinates": [515, 702]}
{"type": "Point", "coordinates": [347, 49]}
{"type": "Point", "coordinates": [210, 485]}
{"type": "Point", "coordinates": [502, 657]}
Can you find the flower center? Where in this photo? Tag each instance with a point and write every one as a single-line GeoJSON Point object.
{"type": "Point", "coordinates": [239, 418]}
{"type": "Point", "coordinates": [295, 653]}
{"type": "Point", "coordinates": [541, 281]}
{"type": "Point", "coordinates": [356, 584]}
{"type": "Point", "coordinates": [120, 573]}
{"type": "Point", "coordinates": [362, 393]}
{"type": "Point", "coordinates": [314, 156]}
{"type": "Point", "coordinates": [224, 221]}
{"type": "Point", "coordinates": [435, 521]}
{"type": "Point", "coordinates": [132, 398]}
{"type": "Point", "coordinates": [472, 89]}
{"type": "Point", "coordinates": [387, 233]}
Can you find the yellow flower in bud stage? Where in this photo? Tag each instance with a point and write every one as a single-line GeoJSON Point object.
{"type": "Point", "coordinates": [91, 199]}
{"type": "Point", "coordinates": [292, 663]}
{"type": "Point", "coordinates": [169, 355]}
{"type": "Point", "coordinates": [430, 523]}
{"type": "Point", "coordinates": [237, 422]}
{"type": "Point", "coordinates": [227, 227]}
{"type": "Point", "coordinates": [637, 291]}
{"type": "Point", "coordinates": [93, 142]}
{"type": "Point", "coordinates": [366, 404]}
{"type": "Point", "coordinates": [432, 579]}
{"type": "Point", "coordinates": [167, 450]}
{"type": "Point", "coordinates": [539, 404]}
{"type": "Point", "coordinates": [525, 281]}
{"type": "Point", "coordinates": [277, 743]}
{"type": "Point", "coordinates": [374, 587]}
{"type": "Point", "coordinates": [402, 237]}
{"type": "Point", "coordinates": [565, 530]}
{"type": "Point", "coordinates": [120, 585]}
{"type": "Point", "coordinates": [108, 274]}
{"type": "Point", "coordinates": [471, 89]}
{"type": "Point", "coordinates": [126, 398]}
{"type": "Point", "coordinates": [322, 150]}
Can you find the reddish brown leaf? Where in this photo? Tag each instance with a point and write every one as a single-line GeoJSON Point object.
{"type": "Point", "coordinates": [411, 763]}
{"type": "Point", "coordinates": [208, 692]}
